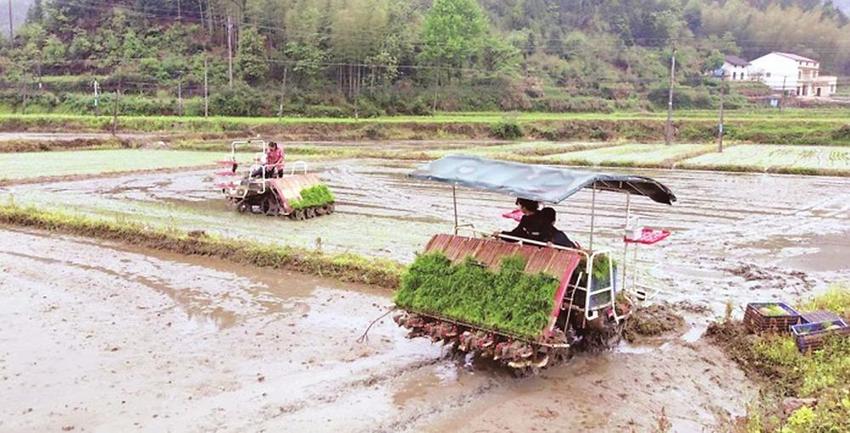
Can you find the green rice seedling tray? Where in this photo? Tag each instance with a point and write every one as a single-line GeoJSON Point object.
{"type": "Point", "coordinates": [778, 317]}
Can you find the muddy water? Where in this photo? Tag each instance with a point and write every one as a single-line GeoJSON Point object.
{"type": "Point", "coordinates": [101, 338]}
{"type": "Point", "coordinates": [736, 237]}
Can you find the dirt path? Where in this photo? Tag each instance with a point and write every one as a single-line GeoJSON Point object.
{"type": "Point", "coordinates": [104, 338]}
{"type": "Point", "coordinates": [67, 136]}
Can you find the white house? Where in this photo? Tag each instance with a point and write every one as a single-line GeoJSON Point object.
{"type": "Point", "coordinates": [735, 68]}
{"type": "Point", "coordinates": [793, 74]}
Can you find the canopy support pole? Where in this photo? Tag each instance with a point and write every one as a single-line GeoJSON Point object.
{"type": "Point", "coordinates": [592, 215]}
{"type": "Point", "coordinates": [454, 203]}
{"type": "Point", "coordinates": [625, 235]}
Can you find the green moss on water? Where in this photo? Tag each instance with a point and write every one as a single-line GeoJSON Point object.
{"type": "Point", "coordinates": [318, 195]}
{"type": "Point", "coordinates": [508, 300]}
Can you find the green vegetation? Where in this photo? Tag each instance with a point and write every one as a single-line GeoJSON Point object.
{"type": "Point", "coordinates": [836, 299]}
{"type": "Point", "coordinates": [818, 127]}
{"type": "Point", "coordinates": [347, 267]}
{"type": "Point", "coordinates": [507, 300]}
{"type": "Point", "coordinates": [314, 196]}
{"type": "Point", "coordinates": [823, 375]}
{"type": "Point", "coordinates": [772, 311]}
{"type": "Point", "coordinates": [506, 130]}
{"type": "Point", "coordinates": [366, 58]}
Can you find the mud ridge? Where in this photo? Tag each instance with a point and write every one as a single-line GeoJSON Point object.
{"type": "Point", "coordinates": [107, 175]}
{"type": "Point", "coordinates": [345, 267]}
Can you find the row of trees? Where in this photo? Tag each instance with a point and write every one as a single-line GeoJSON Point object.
{"type": "Point", "coordinates": [523, 49]}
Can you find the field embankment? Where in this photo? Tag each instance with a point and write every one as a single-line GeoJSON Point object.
{"type": "Point", "coordinates": [346, 267]}
{"type": "Point", "coordinates": [791, 127]}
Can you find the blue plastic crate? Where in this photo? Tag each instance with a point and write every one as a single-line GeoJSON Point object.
{"type": "Point", "coordinates": [811, 336]}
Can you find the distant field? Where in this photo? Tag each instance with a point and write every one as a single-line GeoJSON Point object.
{"type": "Point", "coordinates": [802, 159]}
{"type": "Point", "coordinates": [632, 154]}
{"type": "Point", "coordinates": [757, 158]}
{"type": "Point", "coordinates": [25, 165]}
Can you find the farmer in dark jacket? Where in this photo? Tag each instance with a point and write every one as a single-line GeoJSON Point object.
{"type": "Point", "coordinates": [531, 226]}
{"type": "Point", "coordinates": [550, 233]}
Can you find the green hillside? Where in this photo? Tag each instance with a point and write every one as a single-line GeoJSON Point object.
{"type": "Point", "coordinates": [372, 57]}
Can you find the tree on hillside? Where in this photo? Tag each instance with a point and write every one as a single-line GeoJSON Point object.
{"type": "Point", "coordinates": [454, 32]}
{"type": "Point", "coordinates": [251, 62]}
{"type": "Point", "coordinates": [35, 14]}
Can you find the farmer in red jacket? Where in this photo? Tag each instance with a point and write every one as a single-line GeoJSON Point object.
{"type": "Point", "coordinates": [275, 158]}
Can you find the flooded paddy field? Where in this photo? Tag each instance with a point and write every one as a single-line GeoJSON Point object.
{"type": "Point", "coordinates": [735, 236]}
{"type": "Point", "coordinates": [103, 337]}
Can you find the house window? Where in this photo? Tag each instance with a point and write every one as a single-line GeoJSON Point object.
{"type": "Point", "coordinates": [799, 74]}
{"type": "Point", "coordinates": [734, 75]}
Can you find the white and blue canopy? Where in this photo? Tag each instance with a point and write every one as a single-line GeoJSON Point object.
{"type": "Point", "coordinates": [535, 182]}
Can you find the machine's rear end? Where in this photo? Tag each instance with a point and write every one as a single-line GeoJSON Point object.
{"type": "Point", "coordinates": [522, 305]}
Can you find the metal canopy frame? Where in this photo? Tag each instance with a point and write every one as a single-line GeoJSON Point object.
{"type": "Point", "coordinates": [606, 183]}
{"type": "Point", "coordinates": [535, 182]}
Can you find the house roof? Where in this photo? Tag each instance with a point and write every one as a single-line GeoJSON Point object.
{"type": "Point", "coordinates": [795, 57]}
{"type": "Point", "coordinates": [736, 61]}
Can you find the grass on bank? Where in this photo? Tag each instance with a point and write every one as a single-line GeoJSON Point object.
{"type": "Point", "coordinates": [791, 127]}
{"type": "Point", "coordinates": [786, 373]}
{"type": "Point", "coordinates": [345, 267]}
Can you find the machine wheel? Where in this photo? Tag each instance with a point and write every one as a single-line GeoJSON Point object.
{"type": "Point", "coordinates": [242, 207]}
{"type": "Point", "coordinates": [270, 206]}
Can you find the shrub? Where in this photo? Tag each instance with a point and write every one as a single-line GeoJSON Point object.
{"type": "Point", "coordinates": [842, 133]}
{"type": "Point", "coordinates": [328, 111]}
{"type": "Point", "coordinates": [506, 130]}
{"type": "Point", "coordinates": [241, 100]}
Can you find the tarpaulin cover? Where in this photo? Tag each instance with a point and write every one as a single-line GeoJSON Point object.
{"type": "Point", "coordinates": [535, 182]}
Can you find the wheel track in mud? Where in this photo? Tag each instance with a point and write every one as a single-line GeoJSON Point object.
{"type": "Point", "coordinates": [406, 420]}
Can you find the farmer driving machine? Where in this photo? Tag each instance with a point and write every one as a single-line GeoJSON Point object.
{"type": "Point", "coordinates": [520, 302]}
{"type": "Point", "coordinates": [268, 189]}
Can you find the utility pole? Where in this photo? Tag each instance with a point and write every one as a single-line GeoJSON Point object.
{"type": "Point", "coordinates": [206, 88]}
{"type": "Point", "coordinates": [668, 133]}
{"type": "Point", "coordinates": [230, 51]}
{"type": "Point", "coordinates": [782, 98]}
{"type": "Point", "coordinates": [115, 108]}
{"type": "Point", "coordinates": [180, 98]}
{"type": "Point", "coordinates": [179, 12]}
{"type": "Point", "coordinates": [11, 27]}
{"type": "Point", "coordinates": [282, 92]}
{"type": "Point", "coordinates": [720, 126]}
{"type": "Point", "coordinates": [96, 99]}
